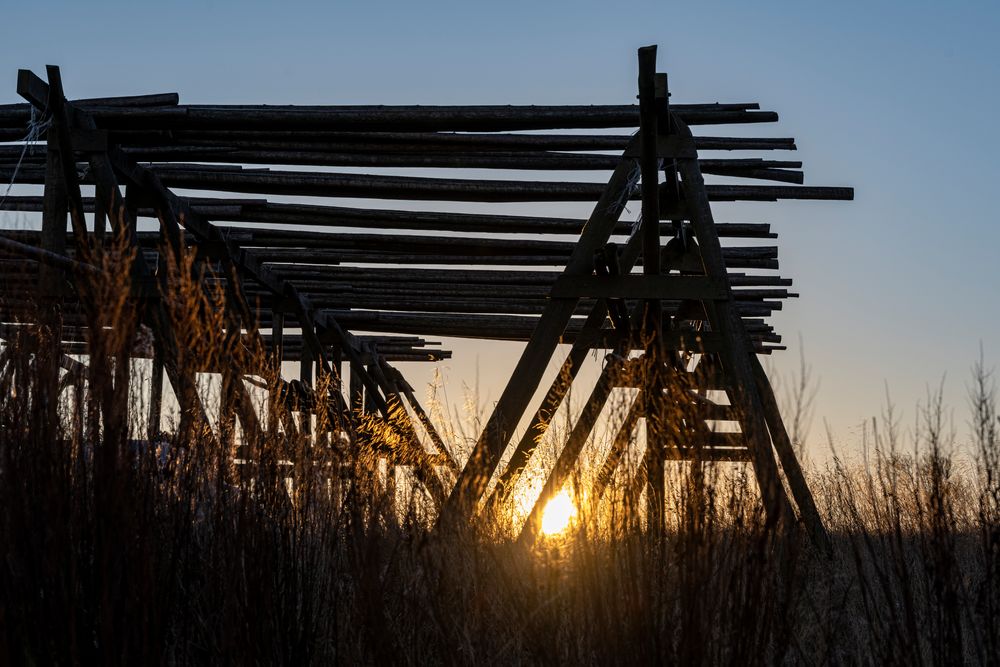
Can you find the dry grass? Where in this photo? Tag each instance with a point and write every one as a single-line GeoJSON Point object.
{"type": "Point", "coordinates": [114, 553]}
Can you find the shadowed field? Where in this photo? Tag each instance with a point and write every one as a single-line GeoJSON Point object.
{"type": "Point", "coordinates": [180, 551]}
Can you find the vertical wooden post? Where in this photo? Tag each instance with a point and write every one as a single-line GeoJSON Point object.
{"type": "Point", "coordinates": [154, 303]}
{"type": "Point", "coordinates": [306, 375]}
{"type": "Point", "coordinates": [357, 388]}
{"type": "Point", "coordinates": [371, 407]}
{"type": "Point", "coordinates": [653, 311]}
{"type": "Point", "coordinates": [123, 359]}
{"type": "Point", "coordinates": [337, 366]}
{"type": "Point", "coordinates": [278, 400]}
{"type": "Point", "coordinates": [228, 389]}
{"type": "Point", "coordinates": [79, 412]}
{"type": "Point", "coordinates": [333, 406]}
{"type": "Point", "coordinates": [155, 396]}
{"type": "Point", "coordinates": [100, 223]}
{"type": "Point", "coordinates": [399, 421]}
{"type": "Point", "coordinates": [648, 131]}
{"type": "Point", "coordinates": [278, 333]}
{"type": "Point", "coordinates": [55, 206]}
{"type": "Point", "coordinates": [53, 238]}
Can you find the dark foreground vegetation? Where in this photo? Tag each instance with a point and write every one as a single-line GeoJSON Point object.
{"type": "Point", "coordinates": [172, 552]}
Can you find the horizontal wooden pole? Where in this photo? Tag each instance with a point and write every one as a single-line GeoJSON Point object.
{"type": "Point", "coordinates": [318, 184]}
{"type": "Point", "coordinates": [19, 114]}
{"type": "Point", "coordinates": [762, 170]}
{"type": "Point", "coordinates": [16, 248]}
{"type": "Point", "coordinates": [487, 327]}
{"type": "Point", "coordinates": [469, 276]}
{"type": "Point", "coordinates": [525, 160]}
{"type": "Point", "coordinates": [290, 352]}
{"type": "Point", "coordinates": [412, 118]}
{"type": "Point", "coordinates": [492, 253]}
{"type": "Point", "coordinates": [776, 192]}
{"type": "Point", "coordinates": [390, 248]}
{"type": "Point", "coordinates": [377, 187]}
{"type": "Point", "coordinates": [637, 286]}
{"type": "Point", "coordinates": [491, 292]}
{"type": "Point", "coordinates": [262, 212]}
{"type": "Point", "coordinates": [375, 142]}
{"type": "Point", "coordinates": [80, 333]}
{"type": "Point", "coordinates": [440, 303]}
{"type": "Point", "coordinates": [438, 189]}
{"type": "Point", "coordinates": [474, 279]}
{"type": "Point", "coordinates": [332, 216]}
{"type": "Point", "coordinates": [484, 327]}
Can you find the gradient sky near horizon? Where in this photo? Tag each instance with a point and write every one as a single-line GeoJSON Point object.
{"type": "Point", "coordinates": [897, 99]}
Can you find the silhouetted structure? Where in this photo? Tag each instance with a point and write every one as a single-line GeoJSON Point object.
{"type": "Point", "coordinates": [678, 319]}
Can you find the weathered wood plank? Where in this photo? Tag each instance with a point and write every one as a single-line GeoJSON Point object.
{"type": "Point", "coordinates": [415, 142]}
{"type": "Point", "coordinates": [409, 119]}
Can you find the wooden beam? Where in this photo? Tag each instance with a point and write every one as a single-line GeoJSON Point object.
{"type": "Point", "coordinates": [262, 212]}
{"type": "Point", "coordinates": [789, 462]}
{"type": "Point", "coordinates": [636, 286]}
{"type": "Point", "coordinates": [737, 353]}
{"type": "Point", "coordinates": [471, 484]}
{"type": "Point", "coordinates": [320, 184]}
{"type": "Point", "coordinates": [414, 142]}
{"type": "Point", "coordinates": [588, 339]}
{"type": "Point", "coordinates": [408, 119]}
{"type": "Point", "coordinates": [652, 133]}
{"type": "Point", "coordinates": [155, 398]}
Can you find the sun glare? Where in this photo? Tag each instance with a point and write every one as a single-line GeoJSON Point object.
{"type": "Point", "coordinates": [558, 514]}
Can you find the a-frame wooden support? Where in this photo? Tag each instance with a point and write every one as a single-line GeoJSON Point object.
{"type": "Point", "coordinates": [707, 322]}
{"type": "Point", "coordinates": [319, 330]}
{"type": "Point", "coordinates": [475, 477]}
{"type": "Point", "coordinates": [49, 98]}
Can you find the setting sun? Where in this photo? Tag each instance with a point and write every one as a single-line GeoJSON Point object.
{"type": "Point", "coordinates": [559, 512]}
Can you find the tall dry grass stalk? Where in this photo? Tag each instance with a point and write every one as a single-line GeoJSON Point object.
{"type": "Point", "coordinates": [186, 550]}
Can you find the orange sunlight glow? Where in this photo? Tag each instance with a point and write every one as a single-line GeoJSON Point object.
{"type": "Point", "coordinates": [558, 514]}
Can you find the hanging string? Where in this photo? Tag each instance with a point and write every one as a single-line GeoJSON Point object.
{"type": "Point", "coordinates": [636, 225]}
{"type": "Point", "coordinates": [36, 127]}
{"type": "Point", "coordinates": [633, 186]}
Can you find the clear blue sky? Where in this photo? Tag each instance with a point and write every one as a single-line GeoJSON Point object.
{"type": "Point", "coordinates": [898, 99]}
